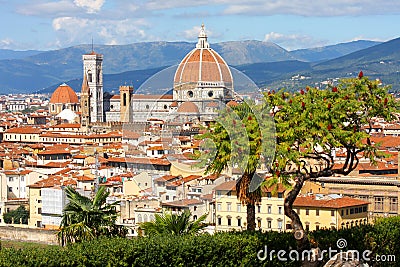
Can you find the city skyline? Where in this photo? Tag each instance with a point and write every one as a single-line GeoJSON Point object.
{"type": "Point", "coordinates": [46, 25]}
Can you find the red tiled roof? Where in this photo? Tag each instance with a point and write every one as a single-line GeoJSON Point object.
{"type": "Point", "coordinates": [141, 161]}
{"type": "Point", "coordinates": [67, 125]}
{"type": "Point", "coordinates": [24, 130]}
{"type": "Point", "coordinates": [226, 186]}
{"type": "Point", "coordinates": [84, 178]}
{"type": "Point", "coordinates": [182, 203]}
{"type": "Point", "coordinates": [49, 182]}
{"type": "Point", "coordinates": [54, 151]}
{"type": "Point", "coordinates": [335, 203]}
{"type": "Point", "coordinates": [166, 178]}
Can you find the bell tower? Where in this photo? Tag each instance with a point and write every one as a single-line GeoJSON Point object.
{"type": "Point", "coordinates": [93, 71]}
{"type": "Point", "coordinates": [125, 93]}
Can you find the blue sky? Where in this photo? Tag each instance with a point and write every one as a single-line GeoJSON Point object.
{"type": "Point", "coordinates": [292, 24]}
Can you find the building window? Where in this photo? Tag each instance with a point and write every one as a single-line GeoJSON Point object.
{"type": "Point", "coordinates": [280, 210]}
{"type": "Point", "coordinates": [9, 189]}
{"type": "Point", "coordinates": [194, 217]}
{"type": "Point", "coordinates": [219, 207]}
{"type": "Point", "coordinates": [10, 179]}
{"type": "Point", "coordinates": [258, 208]}
{"type": "Point", "coordinates": [332, 213]}
{"type": "Point", "coordinates": [280, 225]}
{"type": "Point", "coordinates": [124, 99]}
{"type": "Point", "coordinates": [229, 221]}
{"type": "Point", "coordinates": [219, 221]}
{"type": "Point", "coordinates": [269, 195]}
{"type": "Point", "coordinates": [239, 222]}
{"type": "Point", "coordinates": [269, 224]}
{"type": "Point", "coordinates": [228, 206]}
{"type": "Point", "coordinates": [379, 203]}
{"type": "Point", "coordinates": [307, 212]}
{"type": "Point", "coordinates": [39, 210]}
{"type": "Point", "coordinates": [238, 207]}
{"type": "Point", "coordinates": [394, 204]}
{"type": "Point", "coordinates": [280, 195]}
{"type": "Point", "coordinates": [259, 223]}
{"type": "Point", "coordinates": [317, 227]}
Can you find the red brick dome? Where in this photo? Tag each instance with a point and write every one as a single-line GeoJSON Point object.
{"type": "Point", "coordinates": [203, 67]}
{"type": "Point", "coordinates": [188, 107]}
{"type": "Point", "coordinates": [64, 94]}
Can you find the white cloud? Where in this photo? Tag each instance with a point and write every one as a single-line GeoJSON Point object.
{"type": "Point", "coordinates": [313, 8]}
{"type": "Point", "coordinates": [6, 43]}
{"type": "Point", "coordinates": [73, 30]}
{"type": "Point", "coordinates": [293, 41]}
{"type": "Point", "coordinates": [50, 9]}
{"type": "Point", "coordinates": [92, 6]}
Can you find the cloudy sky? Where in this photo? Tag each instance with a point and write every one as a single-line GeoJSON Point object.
{"type": "Point", "coordinates": [292, 24]}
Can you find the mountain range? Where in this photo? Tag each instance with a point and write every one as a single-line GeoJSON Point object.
{"type": "Point", "coordinates": [267, 64]}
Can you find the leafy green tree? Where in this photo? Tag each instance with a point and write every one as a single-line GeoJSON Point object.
{"type": "Point", "coordinates": [243, 137]}
{"type": "Point", "coordinates": [175, 224]}
{"type": "Point", "coordinates": [86, 219]}
{"type": "Point", "coordinates": [313, 123]}
{"type": "Point", "coordinates": [17, 216]}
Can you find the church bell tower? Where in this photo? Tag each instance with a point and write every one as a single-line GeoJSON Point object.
{"type": "Point", "coordinates": [93, 71]}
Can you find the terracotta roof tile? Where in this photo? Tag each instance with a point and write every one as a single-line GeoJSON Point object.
{"type": "Point", "coordinates": [335, 203]}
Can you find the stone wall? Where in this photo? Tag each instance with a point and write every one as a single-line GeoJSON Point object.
{"type": "Point", "coordinates": [28, 234]}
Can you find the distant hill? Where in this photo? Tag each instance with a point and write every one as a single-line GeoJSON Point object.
{"type": "Point", "coordinates": [331, 51]}
{"type": "Point", "coordinates": [41, 70]}
{"type": "Point", "coordinates": [12, 54]}
{"type": "Point", "coordinates": [381, 61]}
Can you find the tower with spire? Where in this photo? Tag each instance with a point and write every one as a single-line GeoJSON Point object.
{"type": "Point", "coordinates": [93, 73]}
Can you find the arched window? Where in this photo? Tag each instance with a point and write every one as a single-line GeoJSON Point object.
{"type": "Point", "coordinates": [124, 99]}
{"type": "Point", "coordinates": [139, 218]}
{"type": "Point", "coordinates": [89, 75]}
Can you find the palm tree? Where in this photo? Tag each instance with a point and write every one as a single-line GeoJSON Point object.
{"type": "Point", "coordinates": [86, 219]}
{"type": "Point", "coordinates": [175, 224]}
{"type": "Point", "coordinates": [240, 141]}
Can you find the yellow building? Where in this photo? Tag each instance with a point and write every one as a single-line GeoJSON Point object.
{"type": "Point", "coordinates": [330, 211]}
{"type": "Point", "coordinates": [382, 192]}
{"type": "Point", "coordinates": [35, 207]}
{"type": "Point", "coordinates": [231, 214]}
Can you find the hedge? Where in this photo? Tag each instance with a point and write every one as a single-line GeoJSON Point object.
{"type": "Point", "coordinates": [220, 249]}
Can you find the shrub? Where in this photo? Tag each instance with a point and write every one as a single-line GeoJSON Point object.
{"type": "Point", "coordinates": [220, 249]}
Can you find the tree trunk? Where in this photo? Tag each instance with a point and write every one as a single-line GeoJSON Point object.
{"type": "Point", "coordinates": [301, 236]}
{"type": "Point", "coordinates": [251, 217]}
